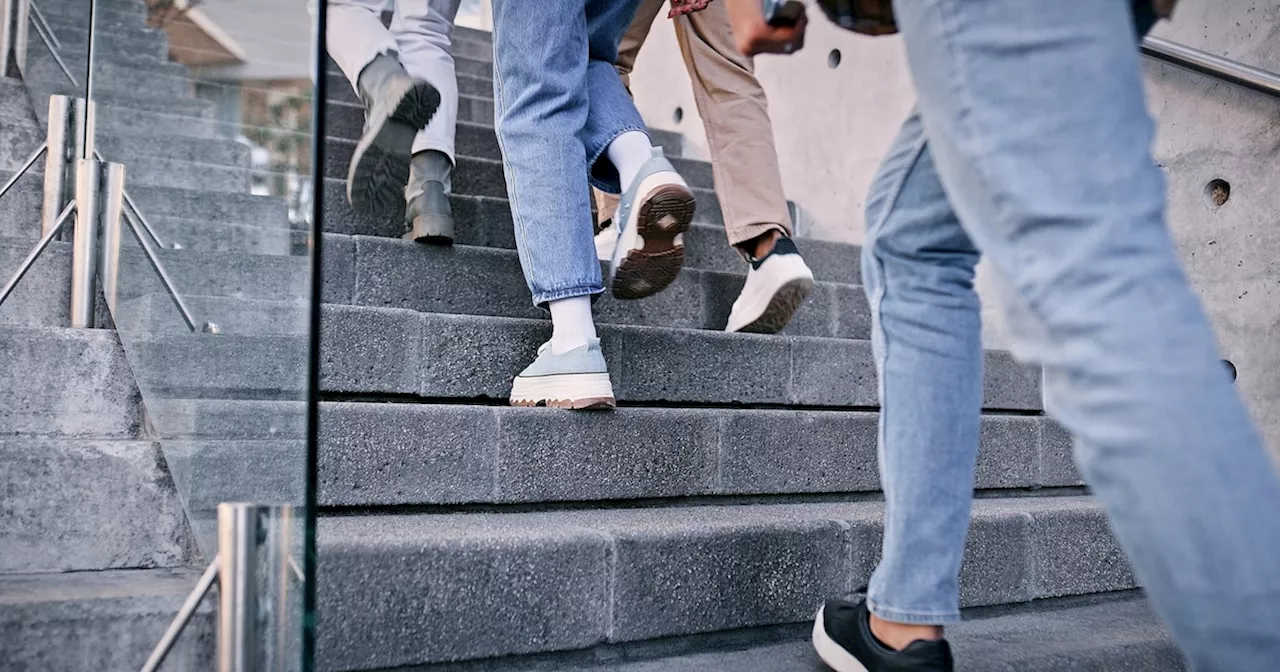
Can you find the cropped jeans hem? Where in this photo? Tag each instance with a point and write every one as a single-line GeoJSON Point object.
{"type": "Point", "coordinates": [541, 299]}
{"type": "Point", "coordinates": [913, 617]}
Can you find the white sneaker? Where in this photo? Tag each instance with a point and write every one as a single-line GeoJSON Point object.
{"type": "Point", "coordinates": [776, 287]}
{"type": "Point", "coordinates": [606, 241]}
{"type": "Point", "coordinates": [577, 379]}
{"type": "Point", "coordinates": [652, 216]}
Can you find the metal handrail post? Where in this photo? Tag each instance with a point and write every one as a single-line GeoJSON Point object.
{"type": "Point", "coordinates": [112, 230]}
{"type": "Point", "coordinates": [13, 35]}
{"type": "Point", "coordinates": [238, 633]}
{"type": "Point", "coordinates": [55, 164]}
{"type": "Point", "coordinates": [184, 616]}
{"type": "Point", "coordinates": [84, 255]}
{"type": "Point", "coordinates": [21, 21]}
{"type": "Point", "coordinates": [84, 120]}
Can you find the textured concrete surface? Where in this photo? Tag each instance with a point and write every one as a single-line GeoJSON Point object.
{"type": "Point", "coordinates": [1055, 636]}
{"type": "Point", "coordinates": [73, 505]}
{"type": "Point", "coordinates": [438, 355]}
{"type": "Point", "coordinates": [66, 383]}
{"type": "Point", "coordinates": [524, 588]}
{"type": "Point", "coordinates": [100, 621]}
{"type": "Point", "coordinates": [43, 297]}
{"type": "Point", "coordinates": [640, 573]}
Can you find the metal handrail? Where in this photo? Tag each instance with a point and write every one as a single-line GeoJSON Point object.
{"type": "Point", "coordinates": [45, 33]}
{"type": "Point", "coordinates": [43, 23]}
{"type": "Point", "coordinates": [1205, 63]}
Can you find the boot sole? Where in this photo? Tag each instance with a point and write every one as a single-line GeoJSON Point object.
{"type": "Point", "coordinates": [665, 214]}
{"type": "Point", "coordinates": [380, 165]}
{"type": "Point", "coordinates": [431, 230]}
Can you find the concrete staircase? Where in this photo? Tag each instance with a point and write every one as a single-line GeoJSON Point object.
{"type": "Point", "coordinates": [696, 527]}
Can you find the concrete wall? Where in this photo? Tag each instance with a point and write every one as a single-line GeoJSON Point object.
{"type": "Point", "coordinates": [832, 125]}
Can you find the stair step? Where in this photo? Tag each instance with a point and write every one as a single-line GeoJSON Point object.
{"type": "Point", "coordinates": [416, 454]}
{"type": "Point", "coordinates": [473, 178]}
{"type": "Point", "coordinates": [479, 161]}
{"type": "Point", "coordinates": [83, 504]}
{"type": "Point", "coordinates": [101, 620]}
{"type": "Point", "coordinates": [1072, 634]}
{"type": "Point", "coordinates": [484, 221]}
{"type": "Point", "coordinates": [69, 383]}
{"type": "Point", "coordinates": [43, 297]}
{"type": "Point", "coordinates": [462, 586]}
{"type": "Point", "coordinates": [338, 88]}
{"type": "Point", "coordinates": [142, 44]}
{"type": "Point", "coordinates": [14, 103]}
{"type": "Point", "coordinates": [486, 281]}
{"type": "Point", "coordinates": [198, 235]}
{"type": "Point", "coordinates": [394, 454]}
{"type": "Point", "coordinates": [346, 121]}
{"type": "Point", "coordinates": [437, 356]}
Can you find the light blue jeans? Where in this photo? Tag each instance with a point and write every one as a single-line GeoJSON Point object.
{"type": "Point", "coordinates": [559, 103]}
{"type": "Point", "coordinates": [1031, 144]}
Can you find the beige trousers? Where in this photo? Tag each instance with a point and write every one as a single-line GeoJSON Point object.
{"type": "Point", "coordinates": [734, 111]}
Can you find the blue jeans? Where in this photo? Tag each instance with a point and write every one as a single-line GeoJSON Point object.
{"type": "Point", "coordinates": [1030, 144]}
{"type": "Point", "coordinates": [559, 103]}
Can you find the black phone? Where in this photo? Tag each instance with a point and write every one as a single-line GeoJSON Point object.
{"type": "Point", "coordinates": [783, 13]}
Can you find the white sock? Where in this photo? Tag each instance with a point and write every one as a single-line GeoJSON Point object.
{"type": "Point", "coordinates": [628, 152]}
{"type": "Point", "coordinates": [572, 324]}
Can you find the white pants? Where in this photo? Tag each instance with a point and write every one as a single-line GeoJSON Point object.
{"type": "Point", "coordinates": [420, 33]}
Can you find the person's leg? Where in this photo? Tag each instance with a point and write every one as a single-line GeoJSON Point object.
{"type": "Point", "coordinates": [1038, 127]}
{"type": "Point", "coordinates": [628, 50]}
{"type": "Point", "coordinates": [917, 269]}
{"type": "Point", "coordinates": [356, 36]}
{"type": "Point", "coordinates": [735, 114]}
{"type": "Point", "coordinates": [397, 104]}
{"type": "Point", "coordinates": [744, 163]}
{"type": "Point", "coordinates": [423, 30]}
{"type": "Point", "coordinates": [657, 206]}
{"type": "Point", "coordinates": [540, 94]}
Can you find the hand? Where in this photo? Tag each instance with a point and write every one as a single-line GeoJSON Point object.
{"type": "Point", "coordinates": [755, 36]}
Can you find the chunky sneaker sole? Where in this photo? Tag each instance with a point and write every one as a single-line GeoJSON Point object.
{"type": "Point", "coordinates": [380, 165]}
{"type": "Point", "coordinates": [574, 391]}
{"type": "Point", "coordinates": [829, 651]}
{"type": "Point", "coordinates": [650, 251]}
{"type": "Point", "coordinates": [776, 288]}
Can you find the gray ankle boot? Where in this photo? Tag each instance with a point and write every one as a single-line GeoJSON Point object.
{"type": "Point", "coordinates": [428, 216]}
{"type": "Point", "coordinates": [397, 106]}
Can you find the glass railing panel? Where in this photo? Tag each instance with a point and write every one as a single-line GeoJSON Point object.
{"type": "Point", "coordinates": [208, 107]}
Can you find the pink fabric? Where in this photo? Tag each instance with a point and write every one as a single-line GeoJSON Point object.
{"type": "Point", "coordinates": [679, 7]}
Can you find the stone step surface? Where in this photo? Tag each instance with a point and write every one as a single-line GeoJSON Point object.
{"type": "Point", "coordinates": [165, 161]}
{"type": "Point", "coordinates": [485, 281]}
{"type": "Point", "coordinates": [88, 504]}
{"type": "Point", "coordinates": [1078, 634]}
{"type": "Point", "coordinates": [66, 383]}
{"type": "Point", "coordinates": [414, 589]}
{"type": "Point", "coordinates": [393, 454]}
{"type": "Point", "coordinates": [101, 620]}
{"type": "Point", "coordinates": [438, 356]}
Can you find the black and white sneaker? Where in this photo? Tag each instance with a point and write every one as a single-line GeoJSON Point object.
{"type": "Point", "coordinates": [842, 637]}
{"type": "Point", "coordinates": [777, 285]}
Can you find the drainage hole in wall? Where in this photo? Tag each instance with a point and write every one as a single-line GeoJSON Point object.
{"type": "Point", "coordinates": [678, 115]}
{"type": "Point", "coordinates": [833, 59]}
{"type": "Point", "coordinates": [1231, 368]}
{"type": "Point", "coordinates": [1217, 192]}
